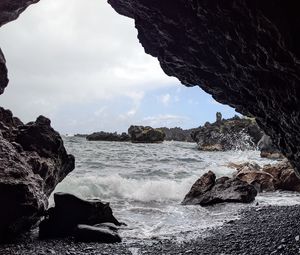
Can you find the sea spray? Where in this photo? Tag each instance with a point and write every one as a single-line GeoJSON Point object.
{"type": "Point", "coordinates": [145, 184]}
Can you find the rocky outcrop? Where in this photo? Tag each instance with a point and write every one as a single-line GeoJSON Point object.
{"type": "Point", "coordinates": [177, 134]}
{"type": "Point", "coordinates": [141, 134]}
{"type": "Point", "coordinates": [208, 190]}
{"type": "Point", "coordinates": [73, 216]}
{"type": "Point", "coordinates": [268, 149]}
{"type": "Point", "coordinates": [222, 135]}
{"type": "Point", "coordinates": [33, 161]}
{"type": "Point", "coordinates": [111, 137]}
{"type": "Point", "coordinates": [244, 53]}
{"type": "Point", "coordinates": [278, 176]}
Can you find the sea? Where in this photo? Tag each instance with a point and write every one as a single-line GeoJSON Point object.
{"type": "Point", "coordinates": [145, 184]}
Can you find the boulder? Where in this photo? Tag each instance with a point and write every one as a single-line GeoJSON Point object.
{"type": "Point", "coordinates": [227, 134]}
{"type": "Point", "coordinates": [111, 137]}
{"type": "Point", "coordinates": [209, 191]}
{"type": "Point", "coordinates": [101, 234]}
{"type": "Point", "coordinates": [70, 211]}
{"type": "Point", "coordinates": [33, 161]}
{"type": "Point", "coordinates": [141, 134]}
{"type": "Point", "coordinates": [261, 180]}
{"type": "Point", "coordinates": [285, 174]}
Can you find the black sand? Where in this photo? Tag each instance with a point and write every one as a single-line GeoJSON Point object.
{"type": "Point", "coordinates": [261, 230]}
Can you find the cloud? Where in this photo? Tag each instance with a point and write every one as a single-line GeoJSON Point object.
{"type": "Point", "coordinates": [60, 54]}
{"type": "Point", "coordinates": [165, 120]}
{"type": "Point", "coordinates": [165, 99]}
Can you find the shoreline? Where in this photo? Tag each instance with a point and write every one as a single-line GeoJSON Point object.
{"type": "Point", "coordinates": [260, 230]}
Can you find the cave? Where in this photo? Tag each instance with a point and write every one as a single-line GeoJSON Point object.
{"type": "Point", "coordinates": [250, 61]}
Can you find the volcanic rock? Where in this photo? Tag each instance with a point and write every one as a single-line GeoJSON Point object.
{"type": "Point", "coordinates": [141, 134]}
{"type": "Point", "coordinates": [177, 134]}
{"type": "Point", "coordinates": [278, 176]}
{"type": "Point", "coordinates": [268, 149]}
{"type": "Point", "coordinates": [86, 233]}
{"type": "Point", "coordinates": [105, 136]}
{"type": "Point", "coordinates": [244, 53]}
{"type": "Point", "coordinates": [33, 161]}
{"type": "Point", "coordinates": [222, 135]}
{"type": "Point", "coordinates": [209, 191]}
{"type": "Point", "coordinates": [70, 211]}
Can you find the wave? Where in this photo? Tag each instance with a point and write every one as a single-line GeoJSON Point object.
{"type": "Point", "coordinates": [116, 187]}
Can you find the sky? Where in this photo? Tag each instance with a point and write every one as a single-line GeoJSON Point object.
{"type": "Point", "coordinates": [82, 66]}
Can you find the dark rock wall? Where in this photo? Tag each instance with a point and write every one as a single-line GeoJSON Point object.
{"type": "Point", "coordinates": [244, 53]}
{"type": "Point", "coordinates": [33, 161]}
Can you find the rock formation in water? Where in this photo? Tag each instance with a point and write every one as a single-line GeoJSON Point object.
{"type": "Point", "coordinates": [244, 53]}
{"type": "Point", "coordinates": [109, 137]}
{"type": "Point", "coordinates": [33, 161]}
{"type": "Point", "coordinates": [208, 190]}
{"type": "Point", "coordinates": [268, 149]}
{"type": "Point", "coordinates": [227, 134]}
{"type": "Point", "coordinates": [141, 134]}
{"type": "Point", "coordinates": [177, 134]}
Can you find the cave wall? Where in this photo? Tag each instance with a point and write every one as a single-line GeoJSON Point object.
{"type": "Point", "coordinates": [9, 10]}
{"type": "Point", "coordinates": [244, 53]}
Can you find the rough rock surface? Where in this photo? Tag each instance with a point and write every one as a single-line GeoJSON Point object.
{"type": "Point", "coordinates": [227, 134]}
{"type": "Point", "coordinates": [244, 53]}
{"type": "Point", "coordinates": [278, 176]}
{"type": "Point", "coordinates": [33, 161]}
{"type": "Point", "coordinates": [268, 149]}
{"type": "Point", "coordinates": [141, 134]}
{"type": "Point", "coordinates": [208, 190]}
{"type": "Point", "coordinates": [177, 134]}
{"type": "Point", "coordinates": [71, 211]}
{"type": "Point", "coordinates": [105, 136]}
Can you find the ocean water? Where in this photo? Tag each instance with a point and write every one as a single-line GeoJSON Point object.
{"type": "Point", "coordinates": [145, 184]}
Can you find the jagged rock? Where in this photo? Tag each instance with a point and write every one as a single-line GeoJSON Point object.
{"type": "Point", "coordinates": [105, 136]}
{"type": "Point", "coordinates": [33, 161]}
{"type": "Point", "coordinates": [222, 135]}
{"type": "Point", "coordinates": [70, 211]}
{"type": "Point", "coordinates": [208, 191]}
{"type": "Point", "coordinates": [244, 53]}
{"type": "Point", "coordinates": [285, 174]}
{"type": "Point", "coordinates": [268, 149]}
{"type": "Point", "coordinates": [279, 176]}
{"type": "Point", "coordinates": [141, 134]}
{"type": "Point", "coordinates": [3, 73]}
{"type": "Point", "coordinates": [177, 134]}
{"type": "Point", "coordinates": [252, 174]}
{"type": "Point", "coordinates": [102, 234]}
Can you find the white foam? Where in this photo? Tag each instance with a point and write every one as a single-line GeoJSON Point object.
{"type": "Point", "coordinates": [118, 187]}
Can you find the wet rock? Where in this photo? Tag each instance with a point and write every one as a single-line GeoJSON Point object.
{"type": "Point", "coordinates": [261, 180]}
{"type": "Point", "coordinates": [285, 174]}
{"type": "Point", "coordinates": [69, 211]}
{"type": "Point", "coordinates": [208, 191]}
{"type": "Point", "coordinates": [33, 161]}
{"type": "Point", "coordinates": [86, 233]}
{"type": "Point", "coordinates": [278, 176]}
{"type": "Point", "coordinates": [244, 53]}
{"type": "Point", "coordinates": [268, 149]}
{"type": "Point", "coordinates": [141, 134]}
{"type": "Point", "coordinates": [222, 135]}
{"type": "Point", "coordinates": [105, 136]}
